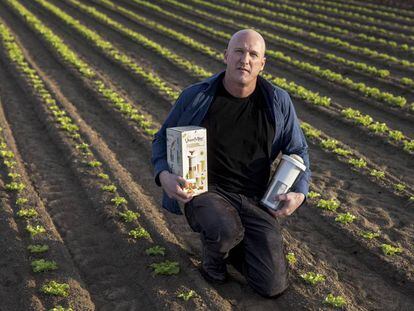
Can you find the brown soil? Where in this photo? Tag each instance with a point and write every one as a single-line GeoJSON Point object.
{"type": "Point", "coordinates": [109, 271]}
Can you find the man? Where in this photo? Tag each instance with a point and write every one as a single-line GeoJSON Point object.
{"type": "Point", "coordinates": [248, 121]}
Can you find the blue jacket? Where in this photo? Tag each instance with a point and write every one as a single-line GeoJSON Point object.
{"type": "Point", "coordinates": [193, 104]}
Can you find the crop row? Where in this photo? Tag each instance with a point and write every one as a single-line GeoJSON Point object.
{"type": "Point", "coordinates": [318, 25]}
{"type": "Point", "coordinates": [330, 296]}
{"type": "Point", "coordinates": [350, 14]}
{"type": "Point", "coordinates": [358, 162]}
{"type": "Point", "coordinates": [379, 7]}
{"type": "Point", "coordinates": [94, 168]}
{"type": "Point", "coordinates": [376, 11]}
{"type": "Point", "coordinates": [89, 10]}
{"type": "Point", "coordinates": [380, 129]}
{"type": "Point", "coordinates": [366, 91]}
{"type": "Point", "coordinates": [332, 41]}
{"type": "Point", "coordinates": [331, 58]}
{"type": "Point", "coordinates": [26, 207]}
{"type": "Point", "coordinates": [339, 22]}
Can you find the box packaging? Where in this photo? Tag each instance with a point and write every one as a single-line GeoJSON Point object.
{"type": "Point", "coordinates": [187, 156]}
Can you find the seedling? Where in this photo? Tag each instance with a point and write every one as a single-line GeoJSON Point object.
{"type": "Point", "coordinates": [6, 154]}
{"type": "Point", "coordinates": [27, 213]}
{"type": "Point", "coordinates": [330, 205]}
{"type": "Point", "coordinates": [14, 175]}
{"type": "Point", "coordinates": [94, 163]}
{"type": "Point", "coordinates": [359, 163]}
{"type": "Point", "coordinates": [313, 278]}
{"type": "Point", "coordinates": [313, 195]}
{"type": "Point", "coordinates": [377, 174]}
{"type": "Point", "coordinates": [335, 301]}
{"type": "Point", "coordinates": [345, 218]}
{"type": "Point", "coordinates": [109, 188]}
{"type": "Point", "coordinates": [399, 187]}
{"type": "Point", "coordinates": [60, 308]}
{"type": "Point", "coordinates": [15, 186]}
{"type": "Point", "coordinates": [187, 295]}
{"type": "Point", "coordinates": [38, 229]}
{"type": "Point", "coordinates": [329, 144]}
{"type": "Point", "coordinates": [378, 127]}
{"type": "Point", "coordinates": [409, 145]}
{"type": "Point", "coordinates": [56, 289]}
{"type": "Point", "coordinates": [82, 146]}
{"type": "Point", "coordinates": [10, 164]}
{"type": "Point", "coordinates": [390, 250]}
{"type": "Point", "coordinates": [396, 135]}
{"type": "Point", "coordinates": [103, 176]}
{"type": "Point", "coordinates": [139, 233]}
{"type": "Point", "coordinates": [342, 152]}
{"type": "Point", "coordinates": [369, 235]}
{"type": "Point", "coordinates": [411, 198]}
{"type": "Point", "coordinates": [21, 201]}
{"type": "Point", "coordinates": [291, 258]}
{"type": "Point", "coordinates": [42, 265]}
{"type": "Point", "coordinates": [155, 250]}
{"type": "Point", "coordinates": [166, 267]}
{"type": "Point", "coordinates": [119, 201]}
{"type": "Point", "coordinates": [129, 216]}
{"type": "Point", "coordinates": [38, 248]}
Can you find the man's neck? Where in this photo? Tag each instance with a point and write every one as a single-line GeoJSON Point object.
{"type": "Point", "coordinates": [239, 91]}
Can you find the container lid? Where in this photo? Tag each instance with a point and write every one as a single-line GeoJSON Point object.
{"type": "Point", "coordinates": [294, 159]}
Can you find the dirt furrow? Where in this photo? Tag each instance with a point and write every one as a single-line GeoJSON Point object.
{"type": "Point", "coordinates": [376, 149]}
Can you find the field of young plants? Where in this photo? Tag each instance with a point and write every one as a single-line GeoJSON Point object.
{"type": "Point", "coordinates": [84, 85]}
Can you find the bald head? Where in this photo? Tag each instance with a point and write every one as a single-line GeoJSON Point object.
{"type": "Point", "coordinates": [249, 35]}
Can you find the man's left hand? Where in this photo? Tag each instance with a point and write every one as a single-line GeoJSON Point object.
{"type": "Point", "coordinates": [291, 201]}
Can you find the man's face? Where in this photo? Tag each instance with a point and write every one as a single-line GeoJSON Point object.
{"type": "Point", "coordinates": [244, 58]}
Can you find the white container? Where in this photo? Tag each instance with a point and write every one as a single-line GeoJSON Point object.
{"type": "Point", "coordinates": [287, 171]}
{"type": "Point", "coordinates": [187, 156]}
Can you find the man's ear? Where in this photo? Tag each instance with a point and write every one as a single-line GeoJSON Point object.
{"type": "Point", "coordinates": [225, 56]}
{"type": "Point", "coordinates": [263, 63]}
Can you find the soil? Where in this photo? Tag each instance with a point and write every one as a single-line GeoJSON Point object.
{"type": "Point", "coordinates": [108, 270]}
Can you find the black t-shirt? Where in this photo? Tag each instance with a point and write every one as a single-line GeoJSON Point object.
{"type": "Point", "coordinates": [239, 142]}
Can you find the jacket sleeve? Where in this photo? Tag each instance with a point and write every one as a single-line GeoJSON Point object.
{"type": "Point", "coordinates": [159, 148]}
{"type": "Point", "coordinates": [294, 142]}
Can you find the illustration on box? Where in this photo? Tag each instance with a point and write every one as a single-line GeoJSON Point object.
{"type": "Point", "coordinates": [187, 156]}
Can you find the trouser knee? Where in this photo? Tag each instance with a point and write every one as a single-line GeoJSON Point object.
{"type": "Point", "coordinates": [271, 287]}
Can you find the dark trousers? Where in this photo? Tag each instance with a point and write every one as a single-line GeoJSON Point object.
{"type": "Point", "coordinates": [235, 229]}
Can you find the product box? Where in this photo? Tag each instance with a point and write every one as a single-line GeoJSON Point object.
{"type": "Point", "coordinates": [187, 156]}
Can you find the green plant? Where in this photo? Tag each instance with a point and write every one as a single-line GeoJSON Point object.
{"type": "Point", "coordinates": [166, 267]}
{"type": "Point", "coordinates": [60, 308]}
{"type": "Point", "coordinates": [329, 144]}
{"type": "Point", "coordinates": [21, 201]}
{"type": "Point", "coordinates": [396, 135]}
{"type": "Point", "coordinates": [369, 235]}
{"type": "Point", "coordinates": [335, 301]}
{"type": "Point", "coordinates": [313, 195]}
{"type": "Point", "coordinates": [342, 152]}
{"type": "Point", "coordinates": [313, 278]}
{"type": "Point", "coordinates": [119, 201]}
{"type": "Point", "coordinates": [399, 187]}
{"type": "Point", "coordinates": [139, 233]}
{"type": "Point", "coordinates": [27, 213]}
{"type": "Point", "coordinates": [10, 164]}
{"type": "Point", "coordinates": [38, 229]}
{"type": "Point", "coordinates": [42, 265]}
{"type": "Point", "coordinates": [330, 205]}
{"type": "Point", "coordinates": [155, 250]}
{"type": "Point", "coordinates": [15, 186]}
{"type": "Point", "coordinates": [360, 163]}
{"type": "Point", "coordinates": [187, 295]}
{"type": "Point", "coordinates": [56, 289]}
{"type": "Point", "coordinates": [390, 250]}
{"type": "Point", "coordinates": [291, 258]}
{"type": "Point", "coordinates": [345, 218]}
{"type": "Point", "coordinates": [38, 248]}
{"type": "Point", "coordinates": [94, 163]}
{"type": "Point", "coordinates": [103, 176]}
{"type": "Point", "coordinates": [129, 216]}
{"type": "Point", "coordinates": [14, 175]}
{"type": "Point", "coordinates": [6, 154]}
{"type": "Point", "coordinates": [378, 174]}
{"type": "Point", "coordinates": [109, 188]}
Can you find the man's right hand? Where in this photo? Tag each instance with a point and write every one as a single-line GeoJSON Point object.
{"type": "Point", "coordinates": [172, 185]}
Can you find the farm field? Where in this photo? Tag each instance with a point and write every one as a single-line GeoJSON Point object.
{"type": "Point", "coordinates": [84, 86]}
